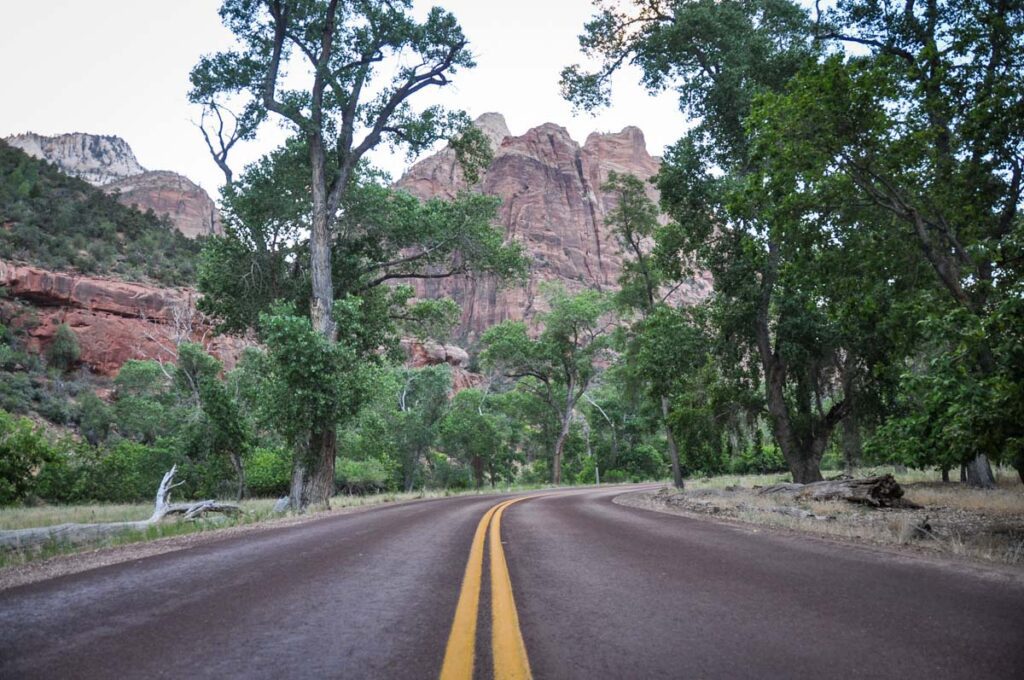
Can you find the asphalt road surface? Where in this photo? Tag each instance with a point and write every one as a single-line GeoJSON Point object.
{"type": "Point", "coordinates": [574, 587]}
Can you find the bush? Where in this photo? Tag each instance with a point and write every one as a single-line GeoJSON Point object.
{"type": "Point", "coordinates": [753, 461]}
{"type": "Point", "coordinates": [94, 418]}
{"type": "Point", "coordinates": [641, 463]}
{"type": "Point", "coordinates": [23, 449]}
{"type": "Point", "coordinates": [360, 476]}
{"type": "Point", "coordinates": [268, 472]}
{"type": "Point", "coordinates": [63, 352]}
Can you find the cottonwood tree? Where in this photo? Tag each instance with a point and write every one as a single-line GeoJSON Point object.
{"type": "Point", "coordinates": [634, 221]}
{"type": "Point", "coordinates": [924, 121]}
{"type": "Point", "coordinates": [341, 77]}
{"type": "Point", "coordinates": [560, 363]}
{"type": "Point", "coordinates": [719, 56]}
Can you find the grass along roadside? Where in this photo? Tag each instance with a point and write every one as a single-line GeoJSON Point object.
{"type": "Point", "coordinates": [255, 511]}
{"type": "Point", "coordinates": [977, 524]}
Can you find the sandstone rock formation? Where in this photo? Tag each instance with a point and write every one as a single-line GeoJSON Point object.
{"type": "Point", "coordinates": [553, 204]}
{"type": "Point", "coordinates": [109, 163]}
{"type": "Point", "coordinates": [113, 320]}
{"type": "Point", "coordinates": [427, 353]}
{"type": "Point", "coordinates": [190, 208]}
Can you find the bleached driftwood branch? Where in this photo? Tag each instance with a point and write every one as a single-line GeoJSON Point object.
{"type": "Point", "coordinates": [85, 533]}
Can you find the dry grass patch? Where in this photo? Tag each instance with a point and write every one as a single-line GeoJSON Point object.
{"type": "Point", "coordinates": [985, 525]}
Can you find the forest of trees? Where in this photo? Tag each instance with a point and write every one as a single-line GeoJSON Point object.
{"type": "Point", "coordinates": [852, 183]}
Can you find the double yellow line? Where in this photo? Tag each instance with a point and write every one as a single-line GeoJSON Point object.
{"type": "Point", "coordinates": [510, 660]}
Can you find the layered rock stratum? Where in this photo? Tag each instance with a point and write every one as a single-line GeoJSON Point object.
{"type": "Point", "coordinates": [552, 202]}
{"type": "Point", "coordinates": [108, 162]}
{"type": "Point", "coordinates": [114, 320]}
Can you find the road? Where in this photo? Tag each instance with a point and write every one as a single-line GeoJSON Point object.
{"type": "Point", "coordinates": [592, 590]}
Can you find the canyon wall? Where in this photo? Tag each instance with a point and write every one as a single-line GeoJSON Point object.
{"type": "Point", "coordinates": [550, 187]}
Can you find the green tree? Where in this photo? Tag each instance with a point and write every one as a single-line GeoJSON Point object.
{"type": "Point", "coordinates": [719, 56]}
{"type": "Point", "coordinates": [422, 399]}
{"type": "Point", "coordinates": [471, 432]}
{"type": "Point", "coordinates": [561, 362]}
{"type": "Point", "coordinates": [923, 123]}
{"type": "Point", "coordinates": [635, 222]}
{"type": "Point", "coordinates": [23, 449]}
{"type": "Point", "coordinates": [351, 102]}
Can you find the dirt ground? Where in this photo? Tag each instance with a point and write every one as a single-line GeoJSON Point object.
{"type": "Point", "coordinates": [955, 521]}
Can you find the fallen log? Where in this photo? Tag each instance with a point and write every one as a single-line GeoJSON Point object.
{"type": "Point", "coordinates": [878, 492]}
{"type": "Point", "coordinates": [86, 533]}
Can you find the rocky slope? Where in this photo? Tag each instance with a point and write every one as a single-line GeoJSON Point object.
{"type": "Point", "coordinates": [552, 202]}
{"type": "Point", "coordinates": [108, 162]}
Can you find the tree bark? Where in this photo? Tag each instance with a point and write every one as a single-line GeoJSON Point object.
{"type": "Point", "coordinates": [979, 473]}
{"type": "Point", "coordinates": [673, 450]}
{"type": "Point", "coordinates": [556, 461]}
{"type": "Point", "coordinates": [851, 443]}
{"type": "Point", "coordinates": [313, 473]}
{"type": "Point", "coordinates": [877, 492]}
{"type": "Point", "coordinates": [236, 463]}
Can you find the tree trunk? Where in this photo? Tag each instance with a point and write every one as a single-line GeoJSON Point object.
{"type": "Point", "coordinates": [851, 443]}
{"type": "Point", "coordinates": [945, 473]}
{"type": "Point", "coordinates": [478, 471]}
{"type": "Point", "coordinates": [556, 461]}
{"type": "Point", "coordinates": [979, 473]}
{"type": "Point", "coordinates": [83, 533]}
{"type": "Point", "coordinates": [236, 463]}
{"type": "Point", "coordinates": [313, 473]}
{"type": "Point", "coordinates": [878, 492]}
{"type": "Point", "coordinates": [673, 450]}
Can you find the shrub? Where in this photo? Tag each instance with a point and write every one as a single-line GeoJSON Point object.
{"type": "Point", "coordinates": [360, 476]}
{"type": "Point", "coordinates": [23, 449]}
{"type": "Point", "coordinates": [268, 472]}
{"type": "Point", "coordinates": [63, 352]}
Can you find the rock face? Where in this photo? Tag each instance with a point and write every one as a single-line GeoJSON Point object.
{"type": "Point", "coordinates": [98, 159]}
{"type": "Point", "coordinates": [190, 208]}
{"type": "Point", "coordinates": [419, 354]}
{"type": "Point", "coordinates": [109, 163]}
{"type": "Point", "coordinates": [113, 320]}
{"type": "Point", "coordinates": [553, 204]}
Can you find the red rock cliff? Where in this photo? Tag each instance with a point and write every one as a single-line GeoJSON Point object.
{"type": "Point", "coordinates": [114, 320]}
{"type": "Point", "coordinates": [553, 204]}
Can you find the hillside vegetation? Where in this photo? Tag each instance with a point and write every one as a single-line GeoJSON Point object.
{"type": "Point", "coordinates": [59, 222]}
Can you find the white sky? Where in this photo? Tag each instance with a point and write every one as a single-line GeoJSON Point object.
{"type": "Point", "coordinates": [121, 67]}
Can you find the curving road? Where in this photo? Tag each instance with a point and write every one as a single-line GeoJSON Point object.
{"type": "Point", "coordinates": [600, 591]}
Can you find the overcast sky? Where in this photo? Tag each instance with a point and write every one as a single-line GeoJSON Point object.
{"type": "Point", "coordinates": [121, 67]}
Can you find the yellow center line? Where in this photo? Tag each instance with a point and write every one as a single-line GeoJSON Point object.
{"type": "Point", "coordinates": [510, 659]}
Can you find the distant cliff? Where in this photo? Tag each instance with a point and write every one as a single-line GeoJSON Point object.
{"type": "Point", "coordinates": [108, 162]}
{"type": "Point", "coordinates": [552, 202]}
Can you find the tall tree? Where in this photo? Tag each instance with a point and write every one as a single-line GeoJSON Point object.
{"type": "Point", "coordinates": [923, 122]}
{"type": "Point", "coordinates": [563, 359]}
{"type": "Point", "coordinates": [634, 219]}
{"type": "Point", "coordinates": [719, 56]}
{"type": "Point", "coordinates": [341, 75]}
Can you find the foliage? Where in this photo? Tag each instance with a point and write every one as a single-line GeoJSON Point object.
{"type": "Point", "coordinates": [23, 448]}
{"type": "Point", "coordinates": [63, 351]}
{"type": "Point", "coordinates": [268, 471]}
{"type": "Point", "coordinates": [60, 222]}
{"type": "Point", "coordinates": [361, 477]}
{"type": "Point", "coordinates": [561, 363]}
